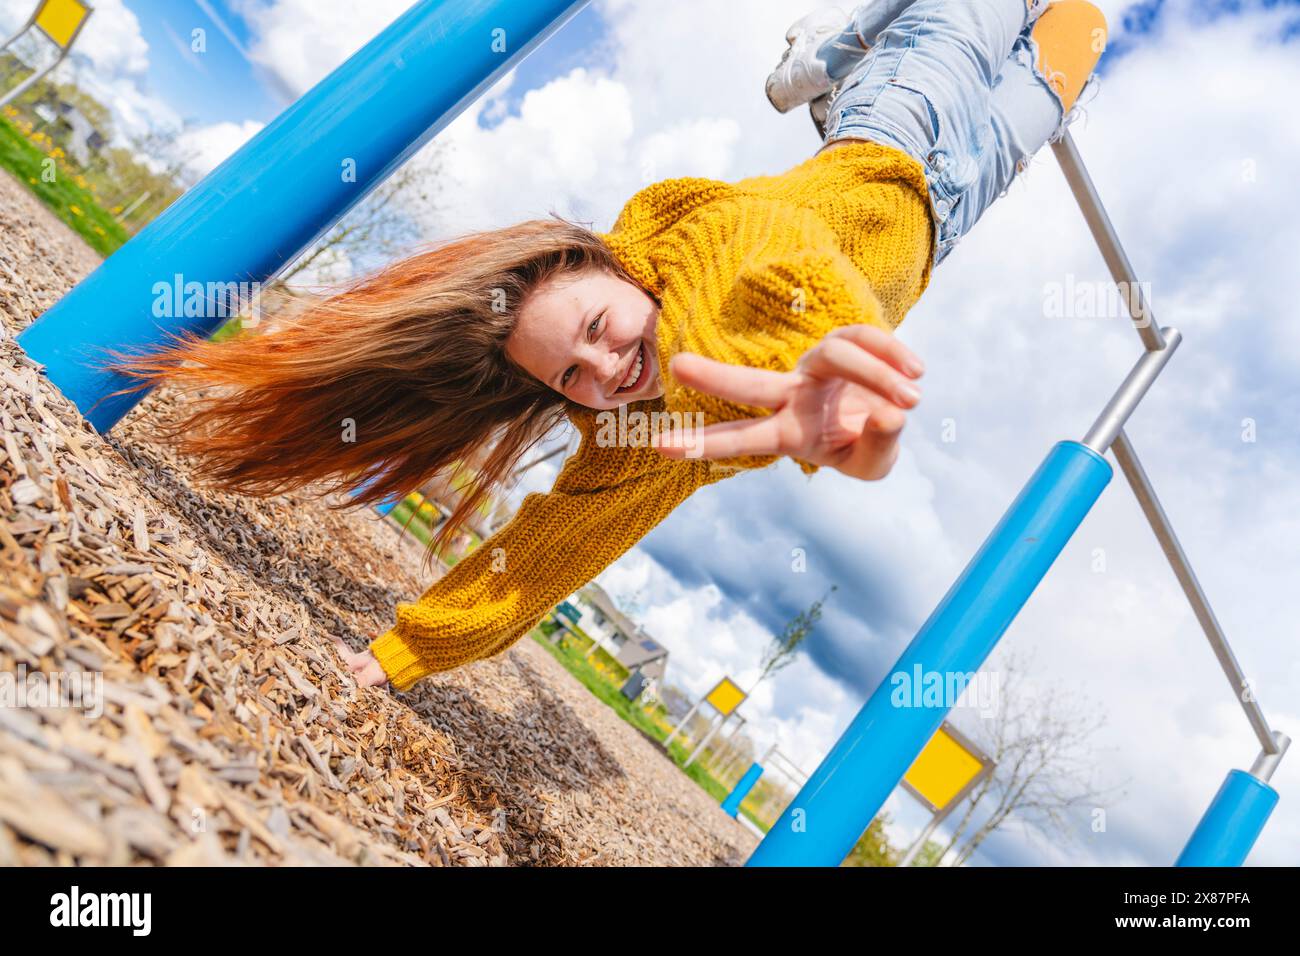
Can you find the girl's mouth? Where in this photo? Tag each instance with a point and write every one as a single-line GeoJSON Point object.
{"type": "Point", "coordinates": [635, 373]}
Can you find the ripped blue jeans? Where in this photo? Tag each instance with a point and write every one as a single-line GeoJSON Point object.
{"type": "Point", "coordinates": [953, 84]}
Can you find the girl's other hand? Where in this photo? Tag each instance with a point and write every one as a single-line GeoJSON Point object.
{"type": "Point", "coordinates": [363, 665]}
{"type": "Point", "coordinates": [843, 406]}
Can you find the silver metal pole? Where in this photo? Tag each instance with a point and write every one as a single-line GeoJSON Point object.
{"type": "Point", "coordinates": [919, 843]}
{"type": "Point", "coordinates": [678, 729]}
{"type": "Point", "coordinates": [1146, 496]}
{"type": "Point", "coordinates": [136, 204]}
{"type": "Point", "coordinates": [717, 725]}
{"type": "Point", "coordinates": [26, 84]}
{"type": "Point", "coordinates": [724, 747]}
{"type": "Point", "coordinates": [1108, 431]}
{"type": "Point", "coordinates": [1264, 765]}
{"type": "Point", "coordinates": [726, 741]}
{"type": "Point", "coordinates": [1121, 270]}
{"type": "Point", "coordinates": [791, 769]}
{"type": "Point", "coordinates": [1130, 394]}
{"type": "Point", "coordinates": [738, 757]}
{"type": "Point", "coordinates": [19, 32]}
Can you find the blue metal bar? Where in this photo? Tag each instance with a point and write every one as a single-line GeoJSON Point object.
{"type": "Point", "coordinates": [841, 798]}
{"type": "Point", "coordinates": [1232, 824]}
{"type": "Point", "coordinates": [272, 199]}
{"type": "Point", "coordinates": [742, 788]}
{"type": "Point", "coordinates": [386, 506]}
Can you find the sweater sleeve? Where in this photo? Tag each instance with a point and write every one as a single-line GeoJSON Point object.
{"type": "Point", "coordinates": [604, 501]}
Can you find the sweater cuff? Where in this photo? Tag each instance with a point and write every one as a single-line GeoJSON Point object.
{"type": "Point", "coordinates": [400, 662]}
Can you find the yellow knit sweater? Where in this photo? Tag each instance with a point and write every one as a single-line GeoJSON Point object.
{"type": "Point", "coordinates": [751, 273]}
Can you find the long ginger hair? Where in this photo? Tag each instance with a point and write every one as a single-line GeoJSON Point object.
{"type": "Point", "coordinates": [388, 382]}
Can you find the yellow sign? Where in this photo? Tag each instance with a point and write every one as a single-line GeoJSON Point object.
{"type": "Point", "coordinates": [944, 768]}
{"type": "Point", "coordinates": [726, 696]}
{"type": "Point", "coordinates": [61, 19]}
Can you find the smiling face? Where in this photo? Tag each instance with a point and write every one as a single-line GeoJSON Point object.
{"type": "Point", "coordinates": [591, 337]}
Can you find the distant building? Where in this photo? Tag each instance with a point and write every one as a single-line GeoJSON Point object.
{"type": "Point", "coordinates": [69, 127]}
{"type": "Point", "coordinates": [623, 639]}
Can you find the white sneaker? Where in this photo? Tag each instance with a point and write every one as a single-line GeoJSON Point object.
{"type": "Point", "coordinates": [801, 75]}
{"type": "Point", "coordinates": [1035, 9]}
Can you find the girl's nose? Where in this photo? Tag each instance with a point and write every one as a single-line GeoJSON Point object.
{"type": "Point", "coordinates": [603, 368]}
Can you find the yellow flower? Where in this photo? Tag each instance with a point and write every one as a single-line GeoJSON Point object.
{"type": "Point", "coordinates": [76, 210]}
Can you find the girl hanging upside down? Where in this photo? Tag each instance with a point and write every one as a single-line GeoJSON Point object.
{"type": "Point", "coordinates": [762, 309]}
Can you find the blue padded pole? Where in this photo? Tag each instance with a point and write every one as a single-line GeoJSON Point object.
{"type": "Point", "coordinates": [273, 198]}
{"type": "Point", "coordinates": [387, 505]}
{"type": "Point", "coordinates": [842, 797]}
{"type": "Point", "coordinates": [742, 788]}
{"type": "Point", "coordinates": [1233, 822]}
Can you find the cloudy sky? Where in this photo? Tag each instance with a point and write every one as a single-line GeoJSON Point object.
{"type": "Point", "coordinates": [1193, 143]}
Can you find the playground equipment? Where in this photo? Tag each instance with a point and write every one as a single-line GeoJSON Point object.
{"type": "Point", "coordinates": [756, 770]}
{"type": "Point", "coordinates": [847, 790]}
{"type": "Point", "coordinates": [269, 201]}
{"type": "Point", "coordinates": [724, 698]}
{"type": "Point", "coordinates": [718, 767]}
{"type": "Point", "coordinates": [60, 22]}
{"type": "Point", "coordinates": [947, 770]}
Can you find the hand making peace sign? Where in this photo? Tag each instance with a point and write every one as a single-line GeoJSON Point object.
{"type": "Point", "coordinates": [843, 406]}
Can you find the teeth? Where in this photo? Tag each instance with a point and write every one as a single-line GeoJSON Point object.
{"type": "Point", "coordinates": [634, 375]}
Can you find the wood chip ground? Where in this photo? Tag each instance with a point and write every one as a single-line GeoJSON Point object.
{"type": "Point", "coordinates": [229, 733]}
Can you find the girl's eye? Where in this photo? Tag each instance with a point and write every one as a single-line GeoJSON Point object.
{"type": "Point", "coordinates": [591, 330]}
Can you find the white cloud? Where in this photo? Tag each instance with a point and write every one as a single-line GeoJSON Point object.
{"type": "Point", "coordinates": [210, 145]}
{"type": "Point", "coordinates": [303, 40]}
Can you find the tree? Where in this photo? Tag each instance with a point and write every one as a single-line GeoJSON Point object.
{"type": "Point", "coordinates": [1044, 765]}
{"type": "Point", "coordinates": [872, 848]}
{"type": "Point", "coordinates": [385, 225]}
{"type": "Point", "coordinates": [635, 605]}
{"type": "Point", "coordinates": [783, 648]}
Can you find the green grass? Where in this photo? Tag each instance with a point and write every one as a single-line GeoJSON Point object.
{"type": "Point", "coordinates": [418, 528]}
{"type": "Point", "coordinates": [25, 160]}
{"type": "Point", "coordinates": [423, 531]}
